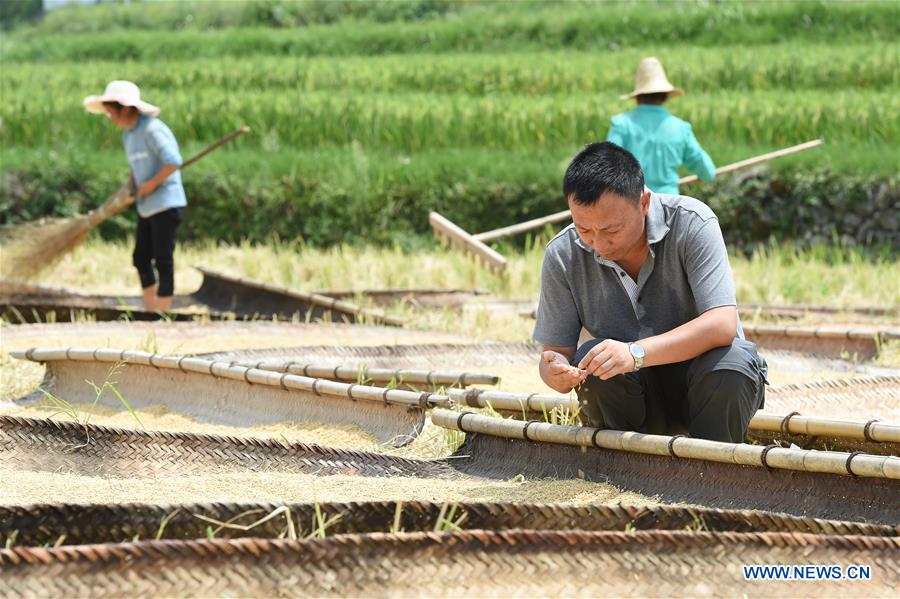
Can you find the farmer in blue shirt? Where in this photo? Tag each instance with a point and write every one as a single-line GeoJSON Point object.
{"type": "Point", "coordinates": [154, 157]}
{"type": "Point", "coordinates": [659, 140]}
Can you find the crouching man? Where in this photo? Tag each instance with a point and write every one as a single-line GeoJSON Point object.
{"type": "Point", "coordinates": [637, 309]}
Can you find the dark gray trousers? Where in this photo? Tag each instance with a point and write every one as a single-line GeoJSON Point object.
{"type": "Point", "coordinates": [713, 396]}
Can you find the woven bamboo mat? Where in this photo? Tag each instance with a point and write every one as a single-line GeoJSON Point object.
{"type": "Point", "coordinates": [698, 482]}
{"type": "Point", "coordinates": [78, 524]}
{"type": "Point", "coordinates": [53, 446]}
{"type": "Point", "coordinates": [48, 446]}
{"type": "Point", "coordinates": [468, 563]}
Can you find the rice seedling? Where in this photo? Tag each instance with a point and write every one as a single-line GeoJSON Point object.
{"type": "Point", "coordinates": [447, 520]}
{"type": "Point", "coordinates": [289, 531]}
{"type": "Point", "coordinates": [321, 524]}
{"type": "Point", "coordinates": [11, 539]}
{"type": "Point", "coordinates": [61, 406]}
{"type": "Point", "coordinates": [398, 513]}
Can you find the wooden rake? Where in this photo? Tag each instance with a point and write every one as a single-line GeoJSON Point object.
{"type": "Point", "coordinates": [475, 245]}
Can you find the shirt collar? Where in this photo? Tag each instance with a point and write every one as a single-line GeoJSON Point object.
{"type": "Point", "coordinates": [656, 228]}
{"type": "Point", "coordinates": [651, 108]}
{"type": "Point", "coordinates": [656, 221]}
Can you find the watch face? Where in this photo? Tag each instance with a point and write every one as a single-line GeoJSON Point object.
{"type": "Point", "coordinates": [636, 350]}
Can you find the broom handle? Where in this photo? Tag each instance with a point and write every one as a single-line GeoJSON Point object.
{"type": "Point", "coordinates": [215, 146]}
{"type": "Point", "coordinates": [118, 203]}
{"type": "Point", "coordinates": [566, 214]}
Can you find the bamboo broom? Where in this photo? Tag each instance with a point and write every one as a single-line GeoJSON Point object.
{"type": "Point", "coordinates": [34, 246]}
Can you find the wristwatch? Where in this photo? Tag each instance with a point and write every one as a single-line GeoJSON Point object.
{"type": "Point", "coordinates": [637, 352]}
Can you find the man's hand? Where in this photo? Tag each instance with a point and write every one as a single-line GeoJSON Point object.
{"type": "Point", "coordinates": [607, 359]}
{"type": "Point", "coordinates": [147, 188]}
{"type": "Point", "coordinates": [558, 373]}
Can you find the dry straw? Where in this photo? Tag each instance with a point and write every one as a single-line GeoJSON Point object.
{"type": "Point", "coordinates": [37, 525]}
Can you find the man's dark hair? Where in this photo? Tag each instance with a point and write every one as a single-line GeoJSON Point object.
{"type": "Point", "coordinates": [601, 167]}
{"type": "Point", "coordinates": [653, 98]}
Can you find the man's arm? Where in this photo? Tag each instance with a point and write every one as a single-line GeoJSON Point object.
{"type": "Point", "coordinates": [705, 261]}
{"type": "Point", "coordinates": [557, 324]}
{"type": "Point", "coordinates": [714, 328]}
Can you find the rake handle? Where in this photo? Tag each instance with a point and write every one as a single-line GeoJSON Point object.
{"type": "Point", "coordinates": [757, 160]}
{"type": "Point", "coordinates": [565, 214]}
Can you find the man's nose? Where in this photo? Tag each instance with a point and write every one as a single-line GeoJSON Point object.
{"type": "Point", "coordinates": [602, 247]}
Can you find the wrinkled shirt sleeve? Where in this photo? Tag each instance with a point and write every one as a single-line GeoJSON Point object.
{"type": "Point", "coordinates": [695, 158]}
{"type": "Point", "coordinates": [707, 268]}
{"type": "Point", "coordinates": [162, 142]}
{"type": "Point", "coordinates": [558, 323]}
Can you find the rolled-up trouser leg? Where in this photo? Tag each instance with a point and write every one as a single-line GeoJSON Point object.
{"type": "Point", "coordinates": [142, 258]}
{"type": "Point", "coordinates": [726, 386]}
{"type": "Point", "coordinates": [617, 403]}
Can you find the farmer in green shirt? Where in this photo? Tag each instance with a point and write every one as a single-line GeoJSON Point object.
{"type": "Point", "coordinates": [659, 140]}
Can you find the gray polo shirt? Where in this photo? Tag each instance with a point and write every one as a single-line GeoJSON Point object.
{"type": "Point", "coordinates": [686, 273]}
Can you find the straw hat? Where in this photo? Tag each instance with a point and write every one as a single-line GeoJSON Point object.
{"type": "Point", "coordinates": [125, 93]}
{"type": "Point", "coordinates": [651, 79]}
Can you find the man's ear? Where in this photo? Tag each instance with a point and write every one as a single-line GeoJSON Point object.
{"type": "Point", "coordinates": [645, 202]}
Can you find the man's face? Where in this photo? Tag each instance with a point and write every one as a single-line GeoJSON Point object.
{"type": "Point", "coordinates": [613, 226]}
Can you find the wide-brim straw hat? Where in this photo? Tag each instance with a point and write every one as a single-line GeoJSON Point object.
{"type": "Point", "coordinates": [125, 93]}
{"type": "Point", "coordinates": [651, 79]}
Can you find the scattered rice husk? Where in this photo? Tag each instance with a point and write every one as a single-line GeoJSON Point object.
{"type": "Point", "coordinates": [21, 488]}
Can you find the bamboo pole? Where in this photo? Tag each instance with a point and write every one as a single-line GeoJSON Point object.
{"type": "Point", "coordinates": [512, 402]}
{"type": "Point", "coordinates": [796, 424]}
{"type": "Point", "coordinates": [351, 373]}
{"type": "Point", "coordinates": [227, 370]}
{"type": "Point", "coordinates": [861, 465]}
{"type": "Point", "coordinates": [825, 332]}
{"type": "Point", "coordinates": [281, 374]}
{"type": "Point", "coordinates": [879, 432]}
{"type": "Point", "coordinates": [536, 223]}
